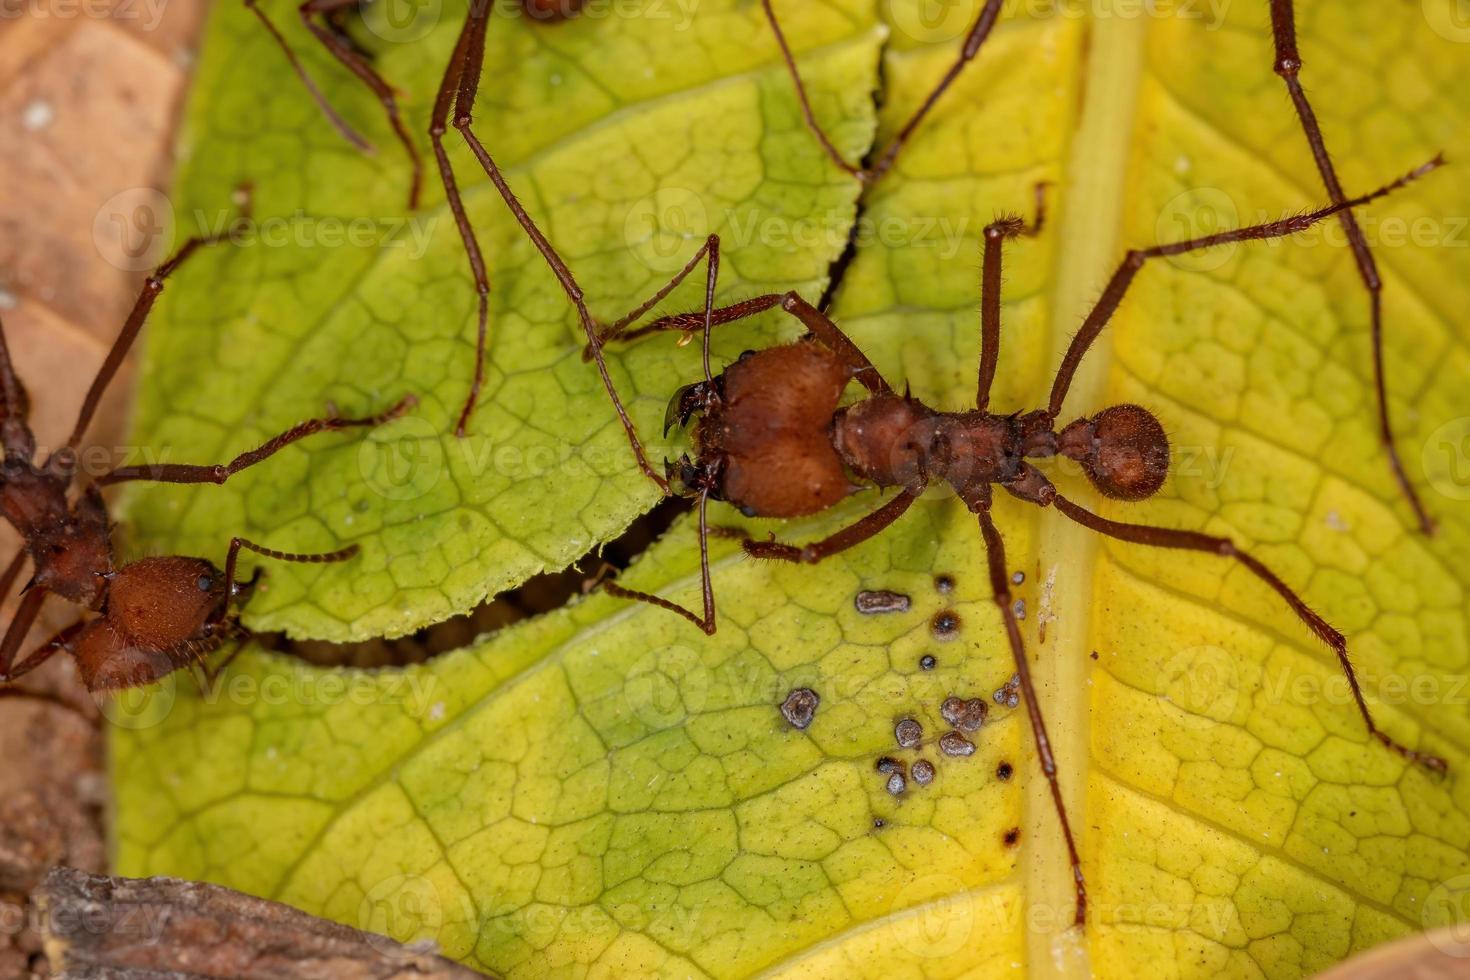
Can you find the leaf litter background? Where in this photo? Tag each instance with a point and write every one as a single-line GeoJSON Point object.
{"type": "Point", "coordinates": [604, 789]}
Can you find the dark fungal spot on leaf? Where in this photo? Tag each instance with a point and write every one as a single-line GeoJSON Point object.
{"type": "Point", "coordinates": [1094, 655]}
{"type": "Point", "coordinates": [882, 601]}
{"type": "Point", "coordinates": [909, 733]}
{"type": "Point", "coordinates": [1008, 695]}
{"type": "Point", "coordinates": [879, 823]}
{"type": "Point", "coordinates": [800, 707]}
{"type": "Point", "coordinates": [923, 772]}
{"type": "Point", "coordinates": [928, 662]}
{"type": "Point", "coordinates": [955, 744]}
{"type": "Point", "coordinates": [897, 784]}
{"type": "Point", "coordinates": [1012, 836]}
{"type": "Point", "coordinates": [1004, 772]}
{"type": "Point", "coordinates": [944, 584]}
{"type": "Point", "coordinates": [967, 716]}
{"type": "Point", "coordinates": [888, 764]}
{"type": "Point", "coordinates": [945, 625]}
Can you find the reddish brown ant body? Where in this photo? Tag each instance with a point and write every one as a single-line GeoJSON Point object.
{"type": "Point", "coordinates": [156, 615]}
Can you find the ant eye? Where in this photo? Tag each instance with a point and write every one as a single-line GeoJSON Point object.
{"type": "Point", "coordinates": [205, 583]}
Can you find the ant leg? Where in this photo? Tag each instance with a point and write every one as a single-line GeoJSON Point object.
{"type": "Point", "coordinates": [15, 634]}
{"type": "Point", "coordinates": [342, 49]}
{"type": "Point", "coordinates": [705, 622]}
{"type": "Point", "coordinates": [15, 430]}
{"type": "Point", "coordinates": [981, 29]}
{"type": "Point", "coordinates": [317, 558]}
{"type": "Point", "coordinates": [219, 473]}
{"type": "Point", "coordinates": [831, 336]}
{"type": "Point", "coordinates": [1288, 66]}
{"type": "Point", "coordinates": [1000, 584]}
{"type": "Point", "coordinates": [690, 323]}
{"type": "Point", "coordinates": [848, 537]}
{"type": "Point", "coordinates": [43, 653]}
{"type": "Point", "coordinates": [152, 287]}
{"type": "Point", "coordinates": [1161, 537]}
{"type": "Point", "coordinates": [466, 64]}
{"type": "Point", "coordinates": [338, 123]}
{"type": "Point", "coordinates": [1118, 285]}
{"type": "Point", "coordinates": [438, 126]}
{"type": "Point", "coordinates": [995, 235]}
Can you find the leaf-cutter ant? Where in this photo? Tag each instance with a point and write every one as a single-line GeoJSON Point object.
{"type": "Point", "coordinates": [772, 438]}
{"type": "Point", "coordinates": [155, 615]}
{"type": "Point", "coordinates": [1288, 65]}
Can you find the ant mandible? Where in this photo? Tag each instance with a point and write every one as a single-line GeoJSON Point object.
{"type": "Point", "coordinates": [157, 614]}
{"type": "Point", "coordinates": [1288, 65]}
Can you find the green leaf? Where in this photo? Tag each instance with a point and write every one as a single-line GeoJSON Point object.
{"type": "Point", "coordinates": [604, 789]}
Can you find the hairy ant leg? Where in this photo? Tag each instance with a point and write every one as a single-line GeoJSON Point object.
{"type": "Point", "coordinates": [702, 480]}
{"type": "Point", "coordinates": [981, 29]}
{"type": "Point", "coordinates": [15, 634]}
{"type": "Point", "coordinates": [1000, 587]}
{"type": "Point", "coordinates": [690, 323]}
{"type": "Point", "coordinates": [219, 473]}
{"type": "Point", "coordinates": [458, 89]}
{"type": "Point", "coordinates": [996, 234]}
{"type": "Point", "coordinates": [1160, 537]}
{"type": "Point", "coordinates": [318, 18]}
{"type": "Point", "coordinates": [705, 622]}
{"type": "Point", "coordinates": [1288, 65]}
{"type": "Point", "coordinates": [323, 103]}
{"type": "Point", "coordinates": [336, 41]}
{"type": "Point", "coordinates": [147, 297]}
{"type": "Point", "coordinates": [1117, 287]}
{"type": "Point", "coordinates": [849, 537]}
{"type": "Point", "coordinates": [61, 641]}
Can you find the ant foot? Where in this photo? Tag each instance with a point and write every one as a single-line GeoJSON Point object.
{"type": "Point", "coordinates": [1433, 763]}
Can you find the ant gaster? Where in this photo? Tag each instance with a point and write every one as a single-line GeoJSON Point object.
{"type": "Point", "coordinates": [157, 614]}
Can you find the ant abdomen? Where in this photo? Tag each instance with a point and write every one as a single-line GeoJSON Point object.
{"type": "Point", "coordinates": [1123, 449]}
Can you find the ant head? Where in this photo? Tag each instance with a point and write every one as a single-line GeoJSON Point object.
{"type": "Point", "coordinates": [1123, 449]}
{"type": "Point", "coordinates": [163, 602]}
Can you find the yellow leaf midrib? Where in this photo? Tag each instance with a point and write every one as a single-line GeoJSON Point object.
{"type": "Point", "coordinates": [1090, 236]}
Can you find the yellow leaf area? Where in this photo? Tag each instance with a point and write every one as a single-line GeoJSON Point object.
{"type": "Point", "coordinates": [604, 791]}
